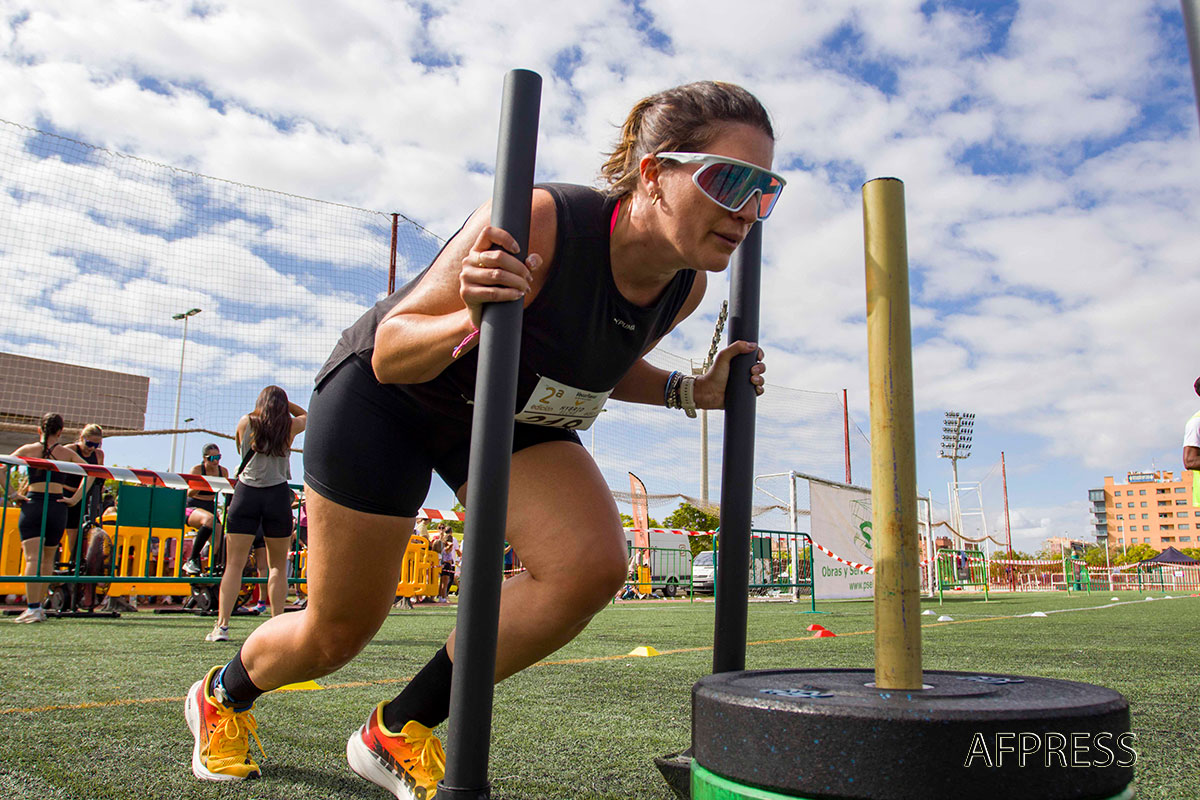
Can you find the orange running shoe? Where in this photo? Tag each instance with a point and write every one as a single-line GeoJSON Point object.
{"type": "Point", "coordinates": [222, 735]}
{"type": "Point", "coordinates": [408, 764]}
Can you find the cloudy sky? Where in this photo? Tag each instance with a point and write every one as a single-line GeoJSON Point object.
{"type": "Point", "coordinates": [1049, 150]}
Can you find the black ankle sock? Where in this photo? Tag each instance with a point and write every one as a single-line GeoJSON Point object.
{"type": "Point", "coordinates": [203, 534]}
{"type": "Point", "coordinates": [426, 698]}
{"type": "Point", "coordinates": [240, 692]}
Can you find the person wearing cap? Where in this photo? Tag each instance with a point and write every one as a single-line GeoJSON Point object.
{"type": "Point", "coordinates": [1191, 450]}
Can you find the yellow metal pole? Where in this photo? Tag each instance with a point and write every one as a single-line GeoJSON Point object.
{"type": "Point", "coordinates": [893, 459]}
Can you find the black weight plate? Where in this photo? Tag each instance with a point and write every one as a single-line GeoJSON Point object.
{"type": "Point", "coordinates": [827, 734]}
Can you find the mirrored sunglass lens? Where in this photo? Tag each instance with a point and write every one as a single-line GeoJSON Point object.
{"type": "Point", "coordinates": [728, 184]}
{"type": "Point", "coordinates": [767, 199]}
{"type": "Point", "coordinates": [731, 185]}
{"type": "Point", "coordinates": [92, 444]}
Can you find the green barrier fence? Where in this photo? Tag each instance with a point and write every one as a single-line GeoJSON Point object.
{"type": "Point", "coordinates": [780, 565]}
{"type": "Point", "coordinates": [1077, 575]}
{"type": "Point", "coordinates": [961, 569]}
{"type": "Point", "coordinates": [143, 545]}
{"type": "Point", "coordinates": [664, 569]}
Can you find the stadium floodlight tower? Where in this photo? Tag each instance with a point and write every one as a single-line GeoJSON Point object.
{"type": "Point", "coordinates": [957, 428]}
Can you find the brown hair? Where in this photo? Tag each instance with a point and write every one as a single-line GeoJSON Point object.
{"type": "Point", "coordinates": [51, 424]}
{"type": "Point", "coordinates": [271, 422]}
{"type": "Point", "coordinates": [684, 119]}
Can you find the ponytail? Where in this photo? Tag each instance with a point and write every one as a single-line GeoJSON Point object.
{"type": "Point", "coordinates": [686, 119]}
{"type": "Point", "coordinates": [50, 425]}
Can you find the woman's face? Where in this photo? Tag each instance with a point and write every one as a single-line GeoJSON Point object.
{"type": "Point", "coordinates": [212, 457]}
{"type": "Point", "coordinates": [91, 443]}
{"type": "Point", "coordinates": [704, 234]}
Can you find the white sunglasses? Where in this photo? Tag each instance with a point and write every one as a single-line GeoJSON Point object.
{"type": "Point", "coordinates": [730, 182]}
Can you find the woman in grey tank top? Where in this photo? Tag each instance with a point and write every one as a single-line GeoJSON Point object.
{"type": "Point", "coordinates": [261, 499]}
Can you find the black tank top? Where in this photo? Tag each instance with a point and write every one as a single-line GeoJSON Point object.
{"type": "Point", "coordinates": [579, 331]}
{"type": "Point", "coordinates": [71, 482]}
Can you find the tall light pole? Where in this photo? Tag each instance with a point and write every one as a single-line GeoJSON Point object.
{"type": "Point", "coordinates": [957, 428]}
{"type": "Point", "coordinates": [191, 312]}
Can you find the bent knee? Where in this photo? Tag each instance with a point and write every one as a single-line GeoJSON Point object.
{"type": "Point", "coordinates": [333, 646]}
{"type": "Point", "coordinates": [604, 576]}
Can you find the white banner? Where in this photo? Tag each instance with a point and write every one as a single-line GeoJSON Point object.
{"type": "Point", "coordinates": [841, 521]}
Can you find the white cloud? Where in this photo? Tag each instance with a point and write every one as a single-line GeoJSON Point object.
{"type": "Point", "coordinates": [1050, 182]}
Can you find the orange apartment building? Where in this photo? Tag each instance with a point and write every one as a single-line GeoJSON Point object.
{"type": "Point", "coordinates": [1151, 508]}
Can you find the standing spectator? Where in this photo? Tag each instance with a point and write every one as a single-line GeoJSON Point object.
{"type": "Point", "coordinates": [1191, 450]}
{"type": "Point", "coordinates": [88, 508]}
{"type": "Point", "coordinates": [261, 497]}
{"type": "Point", "coordinates": [43, 506]}
{"type": "Point", "coordinates": [449, 551]}
{"type": "Point", "coordinates": [201, 509]}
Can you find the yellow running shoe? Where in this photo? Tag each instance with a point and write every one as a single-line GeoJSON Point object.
{"type": "Point", "coordinates": [222, 749]}
{"type": "Point", "coordinates": [408, 764]}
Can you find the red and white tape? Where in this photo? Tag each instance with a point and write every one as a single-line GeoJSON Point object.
{"type": "Point", "coordinates": [144, 477]}
{"type": "Point", "coordinates": [672, 530]}
{"type": "Point", "coordinates": [864, 567]}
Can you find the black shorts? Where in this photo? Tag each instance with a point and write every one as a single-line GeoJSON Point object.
{"type": "Point", "coordinates": [448, 569]}
{"type": "Point", "coordinates": [74, 514]}
{"type": "Point", "coordinates": [29, 524]}
{"type": "Point", "coordinates": [371, 447]}
{"type": "Point", "coordinates": [208, 504]}
{"type": "Point", "coordinates": [269, 507]}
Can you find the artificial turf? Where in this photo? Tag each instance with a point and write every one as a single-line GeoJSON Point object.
{"type": "Point", "coordinates": [93, 708]}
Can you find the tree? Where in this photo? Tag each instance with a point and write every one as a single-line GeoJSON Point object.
{"type": "Point", "coordinates": [1193, 552]}
{"type": "Point", "coordinates": [1094, 556]}
{"type": "Point", "coordinates": [689, 518]}
{"type": "Point", "coordinates": [1134, 554]}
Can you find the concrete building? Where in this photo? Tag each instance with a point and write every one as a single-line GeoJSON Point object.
{"type": "Point", "coordinates": [31, 387]}
{"type": "Point", "coordinates": [1151, 508]}
{"type": "Point", "coordinates": [1057, 545]}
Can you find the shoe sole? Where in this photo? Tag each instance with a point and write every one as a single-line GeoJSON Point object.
{"type": "Point", "coordinates": [192, 714]}
{"type": "Point", "coordinates": [364, 764]}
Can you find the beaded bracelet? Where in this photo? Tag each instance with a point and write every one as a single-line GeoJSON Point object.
{"type": "Point", "coordinates": [669, 388]}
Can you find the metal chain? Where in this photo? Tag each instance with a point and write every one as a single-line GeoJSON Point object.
{"type": "Point", "coordinates": [716, 340]}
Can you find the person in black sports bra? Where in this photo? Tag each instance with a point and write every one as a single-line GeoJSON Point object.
{"type": "Point", "coordinates": [43, 506]}
{"type": "Point", "coordinates": [610, 273]}
{"type": "Point", "coordinates": [200, 512]}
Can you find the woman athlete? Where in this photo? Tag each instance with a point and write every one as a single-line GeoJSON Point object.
{"type": "Point", "coordinates": [200, 512]}
{"type": "Point", "coordinates": [262, 501]}
{"type": "Point", "coordinates": [609, 274]}
{"type": "Point", "coordinates": [43, 508]}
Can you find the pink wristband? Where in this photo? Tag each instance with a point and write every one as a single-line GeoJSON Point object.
{"type": "Point", "coordinates": [461, 345]}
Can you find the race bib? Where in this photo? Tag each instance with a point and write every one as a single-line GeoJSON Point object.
{"type": "Point", "coordinates": [557, 405]}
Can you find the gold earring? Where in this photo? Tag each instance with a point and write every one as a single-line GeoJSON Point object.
{"type": "Point", "coordinates": [654, 199]}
